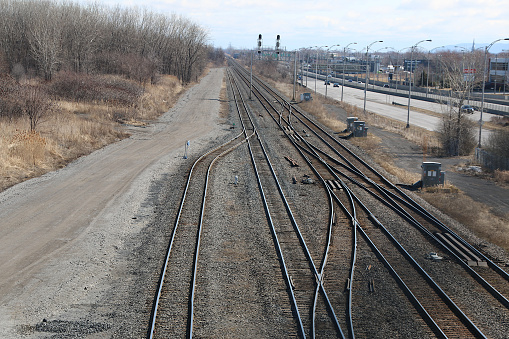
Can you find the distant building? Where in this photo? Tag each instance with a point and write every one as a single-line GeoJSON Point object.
{"type": "Point", "coordinates": [498, 75]}
{"type": "Point", "coordinates": [411, 66]}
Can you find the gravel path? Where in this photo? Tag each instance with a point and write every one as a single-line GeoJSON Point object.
{"type": "Point", "coordinates": [76, 252]}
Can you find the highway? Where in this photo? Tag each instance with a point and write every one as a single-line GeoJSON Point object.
{"type": "Point", "coordinates": [381, 104]}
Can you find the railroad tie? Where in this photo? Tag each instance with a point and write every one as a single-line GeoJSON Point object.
{"type": "Point", "coordinates": [463, 252]}
{"type": "Point", "coordinates": [338, 185]}
{"type": "Point", "coordinates": [291, 161]}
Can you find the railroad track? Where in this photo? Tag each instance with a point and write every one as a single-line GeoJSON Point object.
{"type": "Point", "coordinates": [451, 320]}
{"type": "Point", "coordinates": [316, 245]}
{"type": "Point", "coordinates": [173, 309]}
{"type": "Point", "coordinates": [310, 301]}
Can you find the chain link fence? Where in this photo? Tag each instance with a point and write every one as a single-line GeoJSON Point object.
{"type": "Point", "coordinates": [491, 161]}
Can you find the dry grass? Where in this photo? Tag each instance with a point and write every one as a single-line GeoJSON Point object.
{"type": "Point", "coordinates": [477, 217]}
{"type": "Point", "coordinates": [501, 177]}
{"type": "Point", "coordinates": [158, 98]}
{"type": "Point", "coordinates": [371, 144]}
{"type": "Point", "coordinates": [73, 130]}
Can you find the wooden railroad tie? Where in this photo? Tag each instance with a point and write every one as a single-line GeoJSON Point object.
{"type": "Point", "coordinates": [292, 162]}
{"type": "Point", "coordinates": [334, 184]}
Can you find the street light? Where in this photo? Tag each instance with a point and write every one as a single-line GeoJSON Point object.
{"type": "Point", "coordinates": [396, 68]}
{"type": "Point", "coordinates": [410, 78]}
{"type": "Point", "coordinates": [316, 65]}
{"type": "Point", "coordinates": [344, 60]}
{"type": "Point", "coordinates": [486, 49]}
{"type": "Point", "coordinates": [327, 68]}
{"type": "Point", "coordinates": [378, 50]}
{"type": "Point", "coordinates": [366, 82]}
{"type": "Point", "coordinates": [307, 63]}
{"type": "Point", "coordinates": [427, 76]}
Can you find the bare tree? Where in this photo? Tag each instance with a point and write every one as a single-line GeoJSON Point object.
{"type": "Point", "coordinates": [457, 130]}
{"type": "Point", "coordinates": [498, 143]}
{"type": "Point", "coordinates": [49, 36]}
{"type": "Point", "coordinates": [81, 36]}
{"type": "Point", "coordinates": [36, 104]}
{"type": "Point", "coordinates": [44, 37]}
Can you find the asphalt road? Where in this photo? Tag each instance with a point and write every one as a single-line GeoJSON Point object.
{"type": "Point", "coordinates": [382, 104]}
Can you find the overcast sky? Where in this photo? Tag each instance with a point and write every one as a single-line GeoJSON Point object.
{"type": "Point", "coordinates": [305, 23]}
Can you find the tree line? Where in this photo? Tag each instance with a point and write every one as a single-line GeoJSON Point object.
{"type": "Point", "coordinates": [45, 37]}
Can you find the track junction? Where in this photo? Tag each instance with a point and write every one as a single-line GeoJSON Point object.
{"type": "Point", "coordinates": [350, 252]}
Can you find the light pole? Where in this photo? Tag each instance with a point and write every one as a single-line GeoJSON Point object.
{"type": "Point", "coordinates": [427, 76]}
{"type": "Point", "coordinates": [486, 49]}
{"type": "Point", "coordinates": [344, 60]}
{"type": "Point", "coordinates": [395, 69]}
{"type": "Point", "coordinates": [327, 68]}
{"type": "Point", "coordinates": [316, 65]}
{"type": "Point", "coordinates": [367, 69]}
{"type": "Point", "coordinates": [410, 78]}
{"type": "Point", "coordinates": [386, 48]}
{"type": "Point", "coordinates": [307, 63]}
{"type": "Point", "coordinates": [294, 74]}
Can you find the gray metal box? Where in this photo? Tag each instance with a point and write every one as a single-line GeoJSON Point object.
{"type": "Point", "coordinates": [349, 123]}
{"type": "Point", "coordinates": [305, 97]}
{"type": "Point", "coordinates": [432, 175]}
{"type": "Point", "coordinates": [359, 129]}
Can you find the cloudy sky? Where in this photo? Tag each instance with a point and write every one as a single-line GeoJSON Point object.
{"type": "Point", "coordinates": [305, 23]}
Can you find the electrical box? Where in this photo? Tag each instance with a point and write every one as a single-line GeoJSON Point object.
{"type": "Point", "coordinates": [432, 174]}
{"type": "Point", "coordinates": [349, 123]}
{"type": "Point", "coordinates": [305, 97]}
{"type": "Point", "coordinates": [359, 129]}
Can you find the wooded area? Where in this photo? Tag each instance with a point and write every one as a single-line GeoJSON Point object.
{"type": "Point", "coordinates": [44, 37]}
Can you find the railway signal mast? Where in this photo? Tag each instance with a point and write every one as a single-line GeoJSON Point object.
{"type": "Point", "coordinates": [278, 44]}
{"type": "Point", "coordinates": [260, 46]}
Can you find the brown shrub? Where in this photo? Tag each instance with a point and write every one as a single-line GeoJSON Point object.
{"type": "Point", "coordinates": [28, 146]}
{"type": "Point", "coordinates": [97, 88]}
{"type": "Point", "coordinates": [501, 176]}
{"type": "Point", "coordinates": [477, 217]}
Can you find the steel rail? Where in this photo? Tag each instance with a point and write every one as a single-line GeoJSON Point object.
{"type": "Point", "coordinates": [317, 274]}
{"type": "Point", "coordinates": [301, 238]}
{"type": "Point", "coordinates": [269, 217]}
{"type": "Point", "coordinates": [390, 202]}
{"type": "Point", "coordinates": [173, 234]}
{"type": "Point", "coordinates": [419, 209]}
{"type": "Point", "coordinates": [419, 268]}
{"type": "Point", "coordinates": [471, 324]}
{"type": "Point", "coordinates": [200, 227]}
{"type": "Point", "coordinates": [430, 217]}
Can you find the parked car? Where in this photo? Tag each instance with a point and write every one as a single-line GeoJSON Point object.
{"type": "Point", "coordinates": [327, 82]}
{"type": "Point", "coordinates": [336, 84]}
{"type": "Point", "coordinates": [350, 80]}
{"type": "Point", "coordinates": [467, 109]}
{"type": "Point", "coordinates": [386, 86]}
